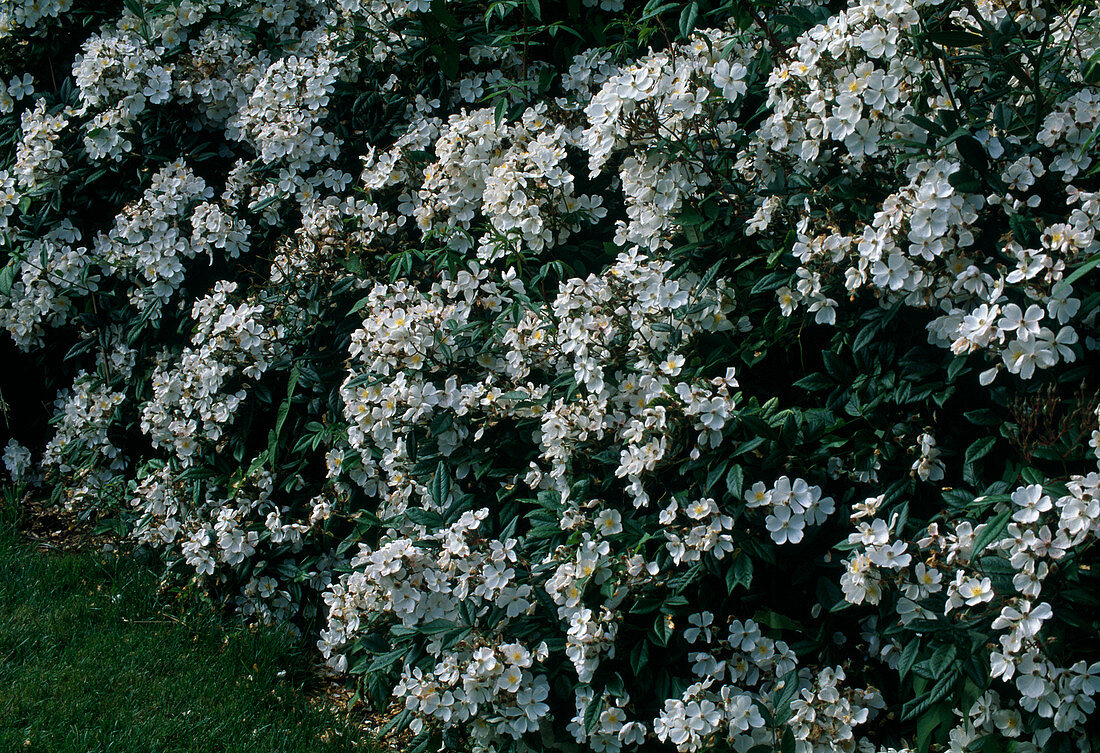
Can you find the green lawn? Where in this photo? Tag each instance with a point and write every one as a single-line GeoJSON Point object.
{"type": "Point", "coordinates": [93, 660]}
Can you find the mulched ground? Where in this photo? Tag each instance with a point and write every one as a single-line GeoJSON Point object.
{"type": "Point", "coordinates": [53, 528]}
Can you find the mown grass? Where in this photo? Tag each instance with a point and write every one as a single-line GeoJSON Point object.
{"type": "Point", "coordinates": [94, 660]}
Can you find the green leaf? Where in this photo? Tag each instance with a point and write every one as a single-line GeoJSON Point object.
{"type": "Point", "coordinates": [688, 17]}
{"type": "Point", "coordinates": [908, 656]}
{"type": "Point", "coordinates": [353, 265]}
{"type": "Point", "coordinates": [280, 416]}
{"type": "Point", "coordinates": [448, 54]}
{"type": "Point", "coordinates": [436, 626]}
{"type": "Point", "coordinates": [1081, 271]}
{"type": "Point", "coordinates": [735, 481]}
{"type": "Point", "coordinates": [441, 485]}
{"type": "Point", "coordinates": [748, 446]}
{"type": "Point", "coordinates": [639, 656]}
{"type": "Point", "coordinates": [420, 743]}
{"type": "Point", "coordinates": [834, 366]}
{"type": "Point", "coordinates": [955, 38]}
{"type": "Point", "coordinates": [972, 151]}
{"type": "Point", "coordinates": [815, 381]}
{"type": "Point", "coordinates": [917, 706]}
{"type": "Point", "coordinates": [671, 603]}
{"type": "Point", "coordinates": [787, 745]}
{"type": "Point", "coordinates": [955, 367]}
{"type": "Point", "coordinates": [977, 450]}
{"type": "Point", "coordinates": [443, 15]}
{"type": "Point", "coordinates": [715, 473]}
{"type": "Point", "coordinates": [135, 7]}
{"type": "Point", "coordinates": [781, 701]}
{"type": "Point", "coordinates": [776, 621]}
{"type": "Point", "coordinates": [712, 273]}
{"type": "Point", "coordinates": [942, 658]}
{"type": "Point", "coordinates": [1024, 229]}
{"type": "Point", "coordinates": [399, 722]}
{"type": "Point", "coordinates": [7, 277]}
{"type": "Point", "coordinates": [965, 180]}
{"type": "Point", "coordinates": [291, 385]}
{"type": "Point", "coordinates": [258, 462]}
{"type": "Point", "coordinates": [865, 336]}
{"type": "Point", "coordinates": [990, 533]}
{"type": "Point", "coordinates": [927, 725]}
{"type": "Point", "coordinates": [263, 204]}
{"type": "Point", "coordinates": [770, 281]}
{"type": "Point", "coordinates": [427, 518]}
{"type": "Point", "coordinates": [662, 630]}
{"type": "Point", "coordinates": [983, 417]}
{"type": "Point", "coordinates": [592, 713]}
{"type": "Point", "coordinates": [1032, 475]}
{"type": "Point", "coordinates": [615, 686]}
{"type": "Point", "coordinates": [655, 9]}
{"type": "Point", "coordinates": [739, 573]}
{"type": "Point", "coordinates": [930, 126]}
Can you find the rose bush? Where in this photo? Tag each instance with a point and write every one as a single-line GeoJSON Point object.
{"type": "Point", "coordinates": [688, 376]}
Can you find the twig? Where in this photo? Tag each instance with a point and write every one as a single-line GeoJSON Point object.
{"type": "Point", "coordinates": [759, 19]}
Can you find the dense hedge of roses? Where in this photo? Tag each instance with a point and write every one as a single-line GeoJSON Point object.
{"type": "Point", "coordinates": [585, 376]}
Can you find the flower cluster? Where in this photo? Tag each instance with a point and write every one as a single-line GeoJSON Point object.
{"type": "Point", "coordinates": [38, 161]}
{"type": "Point", "coordinates": [17, 459]}
{"type": "Point", "coordinates": [515, 175]}
{"type": "Point", "coordinates": [192, 400]}
{"type": "Point", "coordinates": [281, 115]}
{"type": "Point", "coordinates": [431, 584]}
{"type": "Point", "coordinates": [835, 102]}
{"type": "Point", "coordinates": [792, 505]}
{"type": "Point", "coordinates": [35, 17]}
{"type": "Point", "coordinates": [50, 275]}
{"type": "Point", "coordinates": [666, 96]}
{"type": "Point", "coordinates": [82, 451]}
